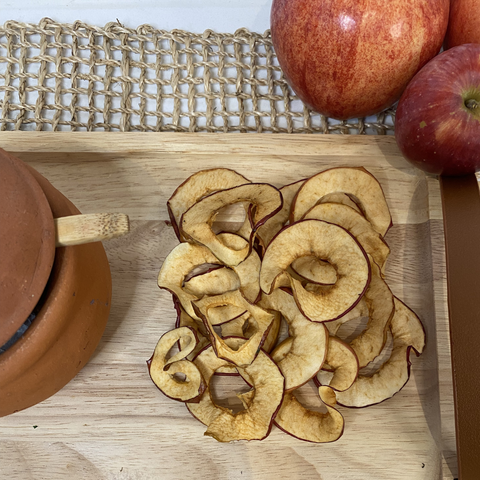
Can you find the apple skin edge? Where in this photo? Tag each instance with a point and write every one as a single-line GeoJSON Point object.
{"type": "Point", "coordinates": [434, 128]}
{"type": "Point", "coordinates": [353, 58]}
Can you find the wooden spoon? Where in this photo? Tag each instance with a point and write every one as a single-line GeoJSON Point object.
{"type": "Point", "coordinates": [95, 227]}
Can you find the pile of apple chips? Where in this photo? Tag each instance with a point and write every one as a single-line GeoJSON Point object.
{"type": "Point", "coordinates": [311, 254]}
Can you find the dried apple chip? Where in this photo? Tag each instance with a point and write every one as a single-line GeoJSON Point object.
{"type": "Point", "coordinates": [356, 182]}
{"type": "Point", "coordinates": [274, 224]}
{"type": "Point", "coordinates": [248, 271]}
{"type": "Point", "coordinates": [244, 276]}
{"type": "Point", "coordinates": [327, 242]}
{"type": "Point", "coordinates": [342, 361]}
{"type": "Point", "coordinates": [341, 198]}
{"type": "Point", "coordinates": [293, 418]}
{"type": "Point", "coordinates": [185, 320]}
{"type": "Point", "coordinates": [261, 319]}
{"type": "Point", "coordinates": [379, 301]}
{"type": "Point", "coordinates": [182, 260]}
{"type": "Point", "coordinates": [186, 257]}
{"type": "Point", "coordinates": [242, 327]}
{"type": "Point", "coordinates": [213, 282]}
{"type": "Point", "coordinates": [197, 186]}
{"type": "Point", "coordinates": [314, 270]}
{"type": "Point", "coordinates": [352, 221]}
{"type": "Point", "coordinates": [196, 222]}
{"type": "Point", "coordinates": [308, 348]}
{"type": "Point", "coordinates": [163, 370]}
{"type": "Point", "coordinates": [408, 334]}
{"type": "Point", "coordinates": [261, 406]}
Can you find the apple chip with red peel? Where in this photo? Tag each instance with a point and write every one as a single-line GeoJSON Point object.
{"type": "Point", "coordinates": [377, 304]}
{"type": "Point", "coordinates": [197, 186]}
{"type": "Point", "coordinates": [221, 314]}
{"type": "Point", "coordinates": [238, 327]}
{"type": "Point", "coordinates": [379, 300]}
{"type": "Point", "coordinates": [242, 327]}
{"type": "Point", "coordinates": [314, 270]}
{"type": "Point", "coordinates": [408, 333]}
{"type": "Point", "coordinates": [185, 320]}
{"type": "Point", "coordinates": [293, 418]}
{"type": "Point", "coordinates": [196, 222]}
{"type": "Point", "coordinates": [261, 405]}
{"type": "Point", "coordinates": [213, 282]}
{"type": "Point", "coordinates": [274, 224]}
{"type": "Point", "coordinates": [343, 362]}
{"type": "Point", "coordinates": [244, 276]}
{"type": "Point", "coordinates": [327, 242]}
{"type": "Point", "coordinates": [356, 182]}
{"type": "Point", "coordinates": [308, 348]}
{"type": "Point", "coordinates": [341, 198]}
{"type": "Point", "coordinates": [248, 271]}
{"type": "Point", "coordinates": [360, 310]}
{"type": "Point", "coordinates": [352, 221]}
{"type": "Point", "coordinates": [163, 370]}
{"type": "Point", "coordinates": [260, 318]}
{"type": "Point", "coordinates": [182, 260]}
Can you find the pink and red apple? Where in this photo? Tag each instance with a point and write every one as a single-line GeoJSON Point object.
{"type": "Point", "coordinates": [463, 26]}
{"type": "Point", "coordinates": [353, 58]}
{"type": "Point", "coordinates": [437, 124]}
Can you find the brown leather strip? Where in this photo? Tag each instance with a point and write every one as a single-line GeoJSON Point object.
{"type": "Point", "coordinates": [461, 217]}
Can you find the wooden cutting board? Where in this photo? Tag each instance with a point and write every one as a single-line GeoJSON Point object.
{"type": "Point", "coordinates": [111, 422]}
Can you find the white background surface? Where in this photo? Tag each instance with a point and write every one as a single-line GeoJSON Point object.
{"type": "Point", "coordinates": [191, 15]}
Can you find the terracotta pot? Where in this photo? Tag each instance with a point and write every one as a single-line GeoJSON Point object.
{"type": "Point", "coordinates": [67, 329]}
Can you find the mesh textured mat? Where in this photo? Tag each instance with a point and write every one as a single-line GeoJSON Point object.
{"type": "Point", "coordinates": [81, 77]}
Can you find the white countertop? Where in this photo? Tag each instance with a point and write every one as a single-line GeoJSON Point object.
{"type": "Point", "coordinates": [191, 15]}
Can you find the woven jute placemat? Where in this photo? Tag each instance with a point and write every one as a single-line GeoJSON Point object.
{"type": "Point", "coordinates": [81, 77]}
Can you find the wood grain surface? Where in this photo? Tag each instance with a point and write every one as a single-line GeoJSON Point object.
{"type": "Point", "coordinates": [111, 422]}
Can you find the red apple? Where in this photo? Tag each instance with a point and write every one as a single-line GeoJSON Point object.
{"type": "Point", "coordinates": [353, 58]}
{"type": "Point", "coordinates": [437, 123]}
{"type": "Point", "coordinates": [463, 23]}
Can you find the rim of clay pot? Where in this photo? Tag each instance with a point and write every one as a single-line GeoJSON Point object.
{"type": "Point", "coordinates": [27, 244]}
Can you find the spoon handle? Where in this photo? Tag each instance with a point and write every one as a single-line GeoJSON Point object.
{"type": "Point", "coordinates": [461, 218]}
{"type": "Point", "coordinates": [95, 227]}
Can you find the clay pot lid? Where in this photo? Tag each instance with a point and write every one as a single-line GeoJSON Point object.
{"type": "Point", "coordinates": [27, 244]}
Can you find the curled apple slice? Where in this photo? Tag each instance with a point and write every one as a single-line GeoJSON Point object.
{"type": "Point", "coordinates": [196, 222]}
{"type": "Point", "coordinates": [197, 186]}
{"type": "Point", "coordinates": [293, 418]}
{"type": "Point", "coordinates": [244, 276]}
{"type": "Point", "coordinates": [221, 314]}
{"type": "Point", "coordinates": [342, 199]}
{"type": "Point", "coordinates": [379, 299]}
{"type": "Point", "coordinates": [163, 370]}
{"type": "Point", "coordinates": [408, 334]}
{"type": "Point", "coordinates": [274, 224]}
{"type": "Point", "coordinates": [342, 361]}
{"type": "Point", "coordinates": [260, 318]}
{"type": "Point", "coordinates": [248, 270]}
{"type": "Point", "coordinates": [185, 320]}
{"type": "Point", "coordinates": [360, 310]}
{"type": "Point", "coordinates": [327, 242]}
{"type": "Point", "coordinates": [315, 270]}
{"type": "Point", "coordinates": [282, 349]}
{"type": "Point", "coordinates": [356, 182]}
{"type": "Point", "coordinates": [242, 327]}
{"type": "Point", "coordinates": [213, 282]}
{"type": "Point", "coordinates": [352, 221]}
{"type": "Point", "coordinates": [182, 260]}
{"type": "Point", "coordinates": [308, 347]}
{"type": "Point", "coordinates": [261, 406]}
{"type": "Point", "coordinates": [380, 304]}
